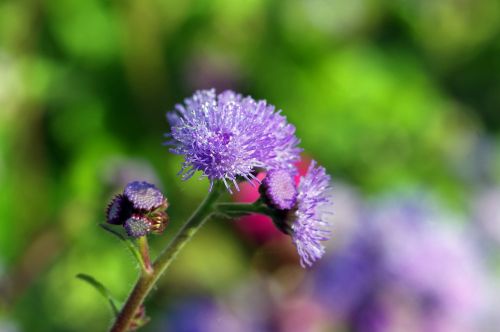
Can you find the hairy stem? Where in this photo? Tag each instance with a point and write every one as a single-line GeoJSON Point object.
{"type": "Point", "coordinates": [144, 250]}
{"type": "Point", "coordinates": [147, 280]}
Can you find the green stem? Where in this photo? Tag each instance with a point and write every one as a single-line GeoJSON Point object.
{"type": "Point", "coordinates": [232, 210]}
{"type": "Point", "coordinates": [148, 280]}
{"type": "Point", "coordinates": [235, 209]}
{"type": "Point", "coordinates": [144, 250]}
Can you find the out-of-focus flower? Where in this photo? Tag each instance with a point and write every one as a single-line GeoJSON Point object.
{"type": "Point", "coordinates": [118, 171]}
{"type": "Point", "coordinates": [301, 314]}
{"type": "Point", "coordinates": [204, 315]}
{"type": "Point", "coordinates": [305, 221]}
{"type": "Point", "coordinates": [140, 209]}
{"type": "Point", "coordinates": [220, 71]}
{"type": "Point", "coordinates": [406, 269]}
{"type": "Point", "coordinates": [227, 136]}
{"type": "Point", "coordinates": [486, 213]}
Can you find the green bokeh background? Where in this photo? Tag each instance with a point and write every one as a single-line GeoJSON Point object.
{"type": "Point", "coordinates": [388, 95]}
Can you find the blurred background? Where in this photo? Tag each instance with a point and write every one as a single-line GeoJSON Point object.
{"type": "Point", "coordinates": [399, 100]}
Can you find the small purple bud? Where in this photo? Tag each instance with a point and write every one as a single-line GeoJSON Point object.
{"type": "Point", "coordinates": [118, 210]}
{"type": "Point", "coordinates": [144, 195]}
{"type": "Point", "coordinates": [278, 189]}
{"type": "Point", "coordinates": [137, 226]}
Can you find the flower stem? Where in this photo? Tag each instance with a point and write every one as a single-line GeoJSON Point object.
{"type": "Point", "coordinates": [240, 209]}
{"type": "Point", "coordinates": [147, 280]}
{"type": "Point", "coordinates": [144, 250]}
{"type": "Point", "coordinates": [235, 210]}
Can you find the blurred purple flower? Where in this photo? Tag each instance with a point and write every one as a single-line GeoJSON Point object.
{"type": "Point", "coordinates": [118, 171]}
{"type": "Point", "coordinates": [350, 275]}
{"type": "Point", "coordinates": [486, 213]}
{"type": "Point", "coordinates": [406, 268]}
{"type": "Point", "coordinates": [204, 315]}
{"type": "Point", "coordinates": [301, 313]}
{"type": "Point", "coordinates": [228, 136]}
{"type": "Point", "coordinates": [220, 71]}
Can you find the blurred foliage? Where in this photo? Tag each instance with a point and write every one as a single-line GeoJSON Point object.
{"type": "Point", "coordinates": [387, 95]}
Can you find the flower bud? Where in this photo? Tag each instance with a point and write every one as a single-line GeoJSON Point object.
{"type": "Point", "coordinates": [137, 226]}
{"type": "Point", "coordinates": [119, 210]}
{"type": "Point", "coordinates": [140, 209]}
{"type": "Point", "coordinates": [144, 195]}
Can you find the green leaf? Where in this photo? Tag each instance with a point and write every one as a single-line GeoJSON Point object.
{"type": "Point", "coordinates": [130, 245]}
{"type": "Point", "coordinates": [101, 289]}
{"type": "Point", "coordinates": [107, 228]}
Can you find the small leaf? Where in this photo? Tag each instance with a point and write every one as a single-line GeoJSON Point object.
{"type": "Point", "coordinates": [101, 289]}
{"type": "Point", "coordinates": [107, 228]}
{"type": "Point", "coordinates": [131, 246]}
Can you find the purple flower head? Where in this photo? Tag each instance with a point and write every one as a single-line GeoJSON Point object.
{"type": "Point", "coordinates": [144, 195]}
{"type": "Point", "coordinates": [279, 190]}
{"type": "Point", "coordinates": [137, 226]}
{"type": "Point", "coordinates": [306, 222]}
{"type": "Point", "coordinates": [227, 136]}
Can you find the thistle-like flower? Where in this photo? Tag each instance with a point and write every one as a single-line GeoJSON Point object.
{"type": "Point", "coordinates": [309, 224]}
{"type": "Point", "coordinates": [227, 136]}
{"type": "Point", "coordinates": [140, 209]}
{"type": "Point", "coordinates": [305, 220]}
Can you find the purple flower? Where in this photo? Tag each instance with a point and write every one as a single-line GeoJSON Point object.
{"type": "Point", "coordinates": [200, 314]}
{"type": "Point", "coordinates": [309, 225]}
{"type": "Point", "coordinates": [279, 190]}
{"type": "Point", "coordinates": [144, 195]}
{"type": "Point", "coordinates": [405, 264]}
{"type": "Point", "coordinates": [137, 226]}
{"type": "Point", "coordinates": [227, 136]}
{"type": "Point", "coordinates": [305, 222]}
